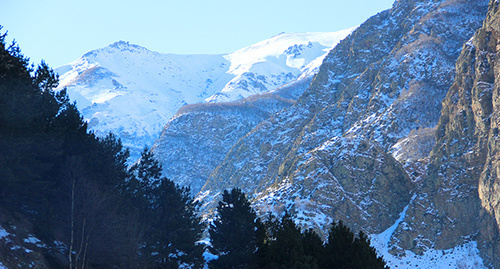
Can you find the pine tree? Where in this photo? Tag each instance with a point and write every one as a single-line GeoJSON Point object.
{"type": "Point", "coordinates": [31, 138]}
{"type": "Point", "coordinates": [45, 78]}
{"type": "Point", "coordinates": [313, 248]}
{"type": "Point", "coordinates": [286, 246]}
{"type": "Point", "coordinates": [174, 226]}
{"type": "Point", "coordinates": [339, 250]}
{"type": "Point", "coordinates": [148, 169]}
{"type": "Point", "coordinates": [345, 250]}
{"type": "Point", "coordinates": [366, 255]}
{"type": "Point", "coordinates": [233, 233]}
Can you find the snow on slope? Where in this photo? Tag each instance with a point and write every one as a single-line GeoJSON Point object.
{"type": "Point", "coordinates": [133, 92]}
{"type": "Point", "coordinates": [462, 256]}
{"type": "Point", "coordinates": [275, 62]}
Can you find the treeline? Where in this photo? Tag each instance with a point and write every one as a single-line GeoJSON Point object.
{"type": "Point", "coordinates": [77, 190]}
{"type": "Point", "coordinates": [241, 240]}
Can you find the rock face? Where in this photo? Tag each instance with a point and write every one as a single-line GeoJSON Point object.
{"type": "Point", "coordinates": [487, 110]}
{"type": "Point", "coordinates": [332, 147]}
{"type": "Point", "coordinates": [198, 137]}
{"type": "Point", "coordinates": [459, 201]}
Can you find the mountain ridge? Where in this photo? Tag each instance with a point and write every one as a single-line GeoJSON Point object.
{"type": "Point", "coordinates": [198, 136]}
{"type": "Point", "coordinates": [152, 86]}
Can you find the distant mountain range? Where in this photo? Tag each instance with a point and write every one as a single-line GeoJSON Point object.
{"type": "Point", "coordinates": [133, 92]}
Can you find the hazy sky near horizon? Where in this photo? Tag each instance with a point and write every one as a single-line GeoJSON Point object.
{"type": "Point", "coordinates": [61, 31]}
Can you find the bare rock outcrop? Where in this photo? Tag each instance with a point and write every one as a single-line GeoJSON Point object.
{"type": "Point", "coordinates": [459, 201]}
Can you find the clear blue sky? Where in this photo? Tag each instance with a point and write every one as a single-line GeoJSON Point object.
{"type": "Point", "coordinates": [60, 31]}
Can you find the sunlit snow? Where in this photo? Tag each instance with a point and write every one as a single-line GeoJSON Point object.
{"type": "Point", "coordinates": [133, 92]}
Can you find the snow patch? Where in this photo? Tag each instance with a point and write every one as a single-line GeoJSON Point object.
{"type": "Point", "coordinates": [33, 240]}
{"type": "Point", "coordinates": [3, 233]}
{"type": "Point", "coordinates": [462, 256]}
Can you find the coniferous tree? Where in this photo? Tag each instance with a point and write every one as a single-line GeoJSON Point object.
{"type": "Point", "coordinates": [32, 133]}
{"type": "Point", "coordinates": [286, 246]}
{"type": "Point", "coordinates": [174, 226]}
{"type": "Point", "coordinates": [21, 162]}
{"type": "Point", "coordinates": [313, 248]}
{"type": "Point", "coordinates": [233, 233]}
{"type": "Point", "coordinates": [366, 255]}
{"type": "Point", "coordinates": [345, 250]}
{"type": "Point", "coordinates": [90, 204]}
{"type": "Point", "coordinates": [45, 78]}
{"type": "Point", "coordinates": [339, 250]}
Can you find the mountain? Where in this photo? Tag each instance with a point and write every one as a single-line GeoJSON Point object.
{"type": "Point", "coordinates": [395, 135]}
{"type": "Point", "coordinates": [272, 63]}
{"type": "Point", "coordinates": [347, 148]}
{"type": "Point", "coordinates": [460, 194]}
{"type": "Point", "coordinates": [198, 136]}
{"type": "Point", "coordinates": [132, 92]}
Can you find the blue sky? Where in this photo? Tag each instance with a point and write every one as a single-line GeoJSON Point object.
{"type": "Point", "coordinates": [60, 31]}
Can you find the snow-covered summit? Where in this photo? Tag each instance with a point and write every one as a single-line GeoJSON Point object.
{"type": "Point", "coordinates": [277, 61]}
{"type": "Point", "coordinates": [297, 50]}
{"type": "Point", "coordinates": [132, 91]}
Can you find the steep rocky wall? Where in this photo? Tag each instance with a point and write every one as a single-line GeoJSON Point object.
{"type": "Point", "coordinates": [487, 109]}
{"type": "Point", "coordinates": [459, 201]}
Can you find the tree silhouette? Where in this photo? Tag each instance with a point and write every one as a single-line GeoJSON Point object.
{"type": "Point", "coordinates": [345, 250]}
{"type": "Point", "coordinates": [233, 232]}
{"type": "Point", "coordinates": [174, 226]}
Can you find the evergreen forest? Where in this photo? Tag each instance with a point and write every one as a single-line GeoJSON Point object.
{"type": "Point", "coordinates": [92, 210]}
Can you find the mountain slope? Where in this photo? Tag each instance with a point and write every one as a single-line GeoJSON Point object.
{"type": "Point", "coordinates": [132, 92]}
{"type": "Point", "coordinates": [461, 192]}
{"type": "Point", "coordinates": [329, 155]}
{"type": "Point", "coordinates": [277, 61]}
{"type": "Point", "coordinates": [198, 137]}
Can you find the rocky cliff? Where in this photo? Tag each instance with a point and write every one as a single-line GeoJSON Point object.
{"type": "Point", "coordinates": [380, 83]}
{"type": "Point", "coordinates": [459, 200]}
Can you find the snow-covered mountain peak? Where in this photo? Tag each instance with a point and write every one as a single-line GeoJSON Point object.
{"type": "Point", "coordinates": [119, 47]}
{"type": "Point", "coordinates": [132, 91]}
{"type": "Point", "coordinates": [276, 61]}
{"type": "Point", "coordinates": [305, 46]}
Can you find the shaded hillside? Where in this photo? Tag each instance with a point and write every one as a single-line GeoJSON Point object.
{"type": "Point", "coordinates": [198, 137]}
